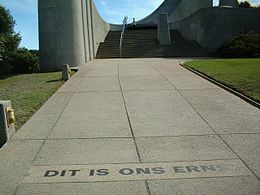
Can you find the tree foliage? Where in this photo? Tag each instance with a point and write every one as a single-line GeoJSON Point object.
{"type": "Point", "coordinates": [243, 45]}
{"type": "Point", "coordinates": [9, 40]}
{"type": "Point", "coordinates": [9, 44]}
{"type": "Point", "coordinates": [12, 58]}
{"type": "Point", "coordinates": [6, 21]}
{"type": "Point", "coordinates": [244, 4]}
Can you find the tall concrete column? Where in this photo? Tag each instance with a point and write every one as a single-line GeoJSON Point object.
{"type": "Point", "coordinates": [90, 29]}
{"type": "Point", "coordinates": [61, 34]}
{"type": "Point", "coordinates": [231, 3]}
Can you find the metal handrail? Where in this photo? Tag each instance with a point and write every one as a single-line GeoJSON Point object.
{"type": "Point", "coordinates": [122, 35]}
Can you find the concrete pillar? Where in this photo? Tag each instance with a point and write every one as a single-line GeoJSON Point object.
{"type": "Point", "coordinates": [86, 30]}
{"type": "Point", "coordinates": [90, 29]}
{"type": "Point", "coordinates": [164, 36]}
{"type": "Point", "coordinates": [231, 3]}
{"type": "Point", "coordinates": [61, 34]}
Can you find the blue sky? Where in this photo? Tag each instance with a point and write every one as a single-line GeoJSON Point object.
{"type": "Point", "coordinates": [25, 14]}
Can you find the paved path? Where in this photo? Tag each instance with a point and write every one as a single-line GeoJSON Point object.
{"type": "Point", "coordinates": [137, 126]}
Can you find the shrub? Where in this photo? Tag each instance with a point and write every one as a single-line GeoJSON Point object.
{"type": "Point", "coordinates": [244, 4]}
{"type": "Point", "coordinates": [5, 68]}
{"type": "Point", "coordinates": [24, 61]}
{"type": "Point", "coordinates": [243, 45]}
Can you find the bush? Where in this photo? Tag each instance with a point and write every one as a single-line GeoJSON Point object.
{"type": "Point", "coordinates": [24, 61]}
{"type": "Point", "coordinates": [5, 68]}
{"type": "Point", "coordinates": [244, 4]}
{"type": "Point", "coordinates": [243, 45]}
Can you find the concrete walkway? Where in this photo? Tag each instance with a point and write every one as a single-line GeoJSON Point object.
{"type": "Point", "coordinates": [137, 126]}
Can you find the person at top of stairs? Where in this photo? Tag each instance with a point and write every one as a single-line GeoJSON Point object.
{"type": "Point", "coordinates": [134, 23]}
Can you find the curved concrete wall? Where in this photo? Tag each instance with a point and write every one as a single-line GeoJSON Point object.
{"type": "Point", "coordinates": [168, 6]}
{"type": "Point", "coordinates": [176, 10]}
{"type": "Point", "coordinates": [100, 28]}
{"type": "Point", "coordinates": [211, 27]}
{"type": "Point", "coordinates": [187, 7]}
{"type": "Point", "coordinates": [69, 32]}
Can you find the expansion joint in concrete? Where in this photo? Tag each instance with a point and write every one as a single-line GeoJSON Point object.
{"type": "Point", "coordinates": [127, 113]}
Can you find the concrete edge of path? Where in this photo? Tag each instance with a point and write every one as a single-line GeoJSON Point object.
{"type": "Point", "coordinates": [227, 88]}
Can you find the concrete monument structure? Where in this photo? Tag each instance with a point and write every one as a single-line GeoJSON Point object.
{"type": "Point", "coordinates": [70, 31]}
{"type": "Point", "coordinates": [232, 3]}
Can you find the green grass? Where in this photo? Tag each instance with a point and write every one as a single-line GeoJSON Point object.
{"type": "Point", "coordinates": [28, 92]}
{"type": "Point", "coordinates": [242, 75]}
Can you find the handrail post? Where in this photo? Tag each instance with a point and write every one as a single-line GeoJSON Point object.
{"type": "Point", "coordinates": [122, 35]}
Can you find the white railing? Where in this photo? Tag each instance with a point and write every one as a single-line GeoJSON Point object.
{"type": "Point", "coordinates": [122, 35]}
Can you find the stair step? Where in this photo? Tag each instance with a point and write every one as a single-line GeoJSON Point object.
{"type": "Point", "coordinates": [143, 43]}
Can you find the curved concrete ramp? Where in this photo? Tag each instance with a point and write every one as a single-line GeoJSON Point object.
{"type": "Point", "coordinates": [176, 10]}
{"type": "Point", "coordinates": [168, 6]}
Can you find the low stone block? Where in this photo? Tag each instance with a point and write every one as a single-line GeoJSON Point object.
{"type": "Point", "coordinates": [7, 127]}
{"type": "Point", "coordinates": [65, 72]}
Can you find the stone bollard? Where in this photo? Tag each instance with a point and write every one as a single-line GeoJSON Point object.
{"type": "Point", "coordinates": [65, 72]}
{"type": "Point", "coordinates": [164, 36]}
{"type": "Point", "coordinates": [7, 119]}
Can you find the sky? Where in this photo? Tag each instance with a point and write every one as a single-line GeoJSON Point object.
{"type": "Point", "coordinates": [25, 14]}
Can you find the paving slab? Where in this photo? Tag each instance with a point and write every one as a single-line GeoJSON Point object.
{"type": "Point", "coordinates": [248, 149]}
{"type": "Point", "coordinates": [144, 83]}
{"type": "Point", "coordinates": [225, 112]}
{"type": "Point", "coordinates": [37, 127]}
{"type": "Point", "coordinates": [214, 186]}
{"type": "Point", "coordinates": [104, 83]}
{"type": "Point", "coordinates": [170, 70]}
{"type": "Point", "coordinates": [16, 158]}
{"type": "Point", "coordinates": [98, 188]}
{"type": "Point", "coordinates": [94, 115]}
{"type": "Point", "coordinates": [71, 85]}
{"type": "Point", "coordinates": [136, 69]}
{"type": "Point", "coordinates": [190, 82]}
{"type": "Point", "coordinates": [171, 115]}
{"type": "Point", "coordinates": [218, 100]}
{"type": "Point", "coordinates": [97, 69]}
{"type": "Point", "coordinates": [186, 148]}
{"type": "Point", "coordinates": [56, 104]}
{"type": "Point", "coordinates": [87, 151]}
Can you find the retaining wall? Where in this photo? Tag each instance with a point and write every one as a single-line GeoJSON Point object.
{"type": "Point", "coordinates": [211, 27]}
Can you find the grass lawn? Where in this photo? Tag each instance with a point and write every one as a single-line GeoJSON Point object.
{"type": "Point", "coordinates": [242, 75]}
{"type": "Point", "coordinates": [28, 92]}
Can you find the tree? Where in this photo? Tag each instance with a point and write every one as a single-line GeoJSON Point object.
{"type": "Point", "coordinates": [9, 40]}
{"type": "Point", "coordinates": [6, 21]}
{"type": "Point", "coordinates": [245, 4]}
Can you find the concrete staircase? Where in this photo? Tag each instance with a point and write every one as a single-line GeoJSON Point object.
{"type": "Point", "coordinates": [143, 43]}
